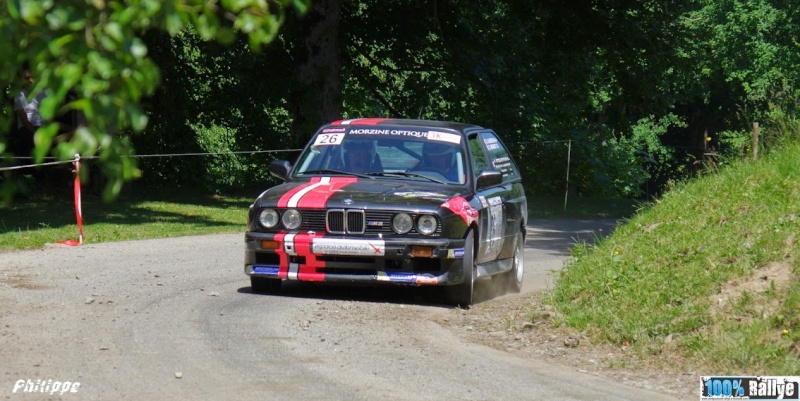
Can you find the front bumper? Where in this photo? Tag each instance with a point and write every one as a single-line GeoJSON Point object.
{"type": "Point", "coordinates": [308, 256]}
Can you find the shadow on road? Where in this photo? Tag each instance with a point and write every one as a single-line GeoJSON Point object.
{"type": "Point", "coordinates": [423, 296]}
{"type": "Point", "coordinates": [548, 237]}
{"type": "Point", "coordinates": [556, 237]}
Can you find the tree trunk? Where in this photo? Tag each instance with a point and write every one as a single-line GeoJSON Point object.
{"type": "Point", "coordinates": [315, 96]}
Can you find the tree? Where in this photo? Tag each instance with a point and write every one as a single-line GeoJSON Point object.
{"type": "Point", "coordinates": [95, 49]}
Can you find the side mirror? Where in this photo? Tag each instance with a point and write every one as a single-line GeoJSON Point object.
{"type": "Point", "coordinates": [489, 178]}
{"type": "Point", "coordinates": [280, 168]}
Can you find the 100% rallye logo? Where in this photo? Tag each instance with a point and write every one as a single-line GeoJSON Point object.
{"type": "Point", "coordinates": [749, 388]}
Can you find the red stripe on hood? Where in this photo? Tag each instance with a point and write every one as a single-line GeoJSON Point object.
{"type": "Point", "coordinates": [284, 200]}
{"type": "Point", "coordinates": [317, 198]}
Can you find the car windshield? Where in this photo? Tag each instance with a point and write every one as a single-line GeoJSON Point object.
{"type": "Point", "coordinates": [386, 153]}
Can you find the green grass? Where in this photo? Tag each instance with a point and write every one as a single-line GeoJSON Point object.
{"type": "Point", "coordinates": [656, 283]}
{"type": "Point", "coordinates": [32, 223]}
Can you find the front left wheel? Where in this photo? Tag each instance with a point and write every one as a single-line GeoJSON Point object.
{"type": "Point", "coordinates": [461, 294]}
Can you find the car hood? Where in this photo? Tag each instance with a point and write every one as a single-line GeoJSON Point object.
{"type": "Point", "coordinates": [354, 192]}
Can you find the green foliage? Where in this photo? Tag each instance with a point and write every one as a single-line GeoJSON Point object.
{"type": "Point", "coordinates": [631, 159]}
{"type": "Point", "coordinates": [96, 49]}
{"type": "Point", "coordinates": [745, 58]}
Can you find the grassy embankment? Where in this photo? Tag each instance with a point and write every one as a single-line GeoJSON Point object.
{"type": "Point", "coordinates": [706, 277]}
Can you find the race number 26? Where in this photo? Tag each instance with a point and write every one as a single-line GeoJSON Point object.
{"type": "Point", "coordinates": [328, 139]}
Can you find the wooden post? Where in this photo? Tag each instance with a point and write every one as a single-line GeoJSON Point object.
{"type": "Point", "coordinates": [569, 156]}
{"type": "Point", "coordinates": [755, 140]}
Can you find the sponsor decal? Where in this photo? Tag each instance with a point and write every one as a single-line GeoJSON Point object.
{"type": "Point", "coordinates": [444, 137]}
{"type": "Point", "coordinates": [402, 277]}
{"type": "Point", "coordinates": [330, 130]}
{"type": "Point", "coordinates": [429, 135]}
{"type": "Point", "coordinates": [749, 387]}
{"type": "Point", "coordinates": [266, 269]}
{"type": "Point", "coordinates": [502, 163]}
{"type": "Point", "coordinates": [335, 246]}
{"type": "Point", "coordinates": [455, 253]}
{"type": "Point", "coordinates": [422, 195]}
{"type": "Point", "coordinates": [43, 386]}
{"type": "Point", "coordinates": [427, 280]}
{"type": "Point", "coordinates": [461, 207]}
{"type": "Point", "coordinates": [398, 277]}
{"type": "Point", "coordinates": [392, 132]}
{"type": "Point", "coordinates": [496, 227]}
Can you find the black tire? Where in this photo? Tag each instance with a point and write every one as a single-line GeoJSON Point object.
{"type": "Point", "coordinates": [461, 294]}
{"type": "Point", "coordinates": [517, 273]}
{"type": "Point", "coordinates": [264, 285]}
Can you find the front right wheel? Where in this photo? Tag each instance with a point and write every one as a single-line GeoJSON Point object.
{"type": "Point", "coordinates": [517, 272]}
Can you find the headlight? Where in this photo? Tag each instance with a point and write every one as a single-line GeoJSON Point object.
{"type": "Point", "coordinates": [291, 219]}
{"type": "Point", "coordinates": [426, 224]}
{"type": "Point", "coordinates": [402, 223]}
{"type": "Point", "coordinates": [268, 218]}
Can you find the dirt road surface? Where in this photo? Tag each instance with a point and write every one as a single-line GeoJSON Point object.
{"type": "Point", "coordinates": [174, 319]}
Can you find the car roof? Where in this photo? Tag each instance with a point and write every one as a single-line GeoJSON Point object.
{"type": "Point", "coordinates": [405, 122]}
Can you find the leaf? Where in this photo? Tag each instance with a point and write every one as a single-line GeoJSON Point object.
{"type": "Point", "coordinates": [47, 108]}
{"type": "Point", "coordinates": [43, 138]}
{"type": "Point", "coordinates": [138, 119]}
{"type": "Point", "coordinates": [174, 24]}
{"type": "Point", "coordinates": [138, 48]}
{"type": "Point", "coordinates": [31, 11]}
{"type": "Point", "coordinates": [113, 30]}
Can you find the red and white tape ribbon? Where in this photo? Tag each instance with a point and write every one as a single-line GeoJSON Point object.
{"type": "Point", "coordinates": [77, 198]}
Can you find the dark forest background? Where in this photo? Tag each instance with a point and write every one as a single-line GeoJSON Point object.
{"type": "Point", "coordinates": [641, 92]}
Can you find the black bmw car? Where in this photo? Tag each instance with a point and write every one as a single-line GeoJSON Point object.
{"type": "Point", "coordinates": [392, 201]}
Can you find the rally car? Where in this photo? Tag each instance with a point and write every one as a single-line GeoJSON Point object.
{"type": "Point", "coordinates": [392, 201]}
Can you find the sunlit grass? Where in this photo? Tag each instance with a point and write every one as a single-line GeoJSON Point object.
{"type": "Point", "coordinates": [33, 223]}
{"type": "Point", "coordinates": [655, 283]}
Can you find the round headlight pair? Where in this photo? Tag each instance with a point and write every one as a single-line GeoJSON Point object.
{"type": "Point", "coordinates": [291, 218]}
{"type": "Point", "coordinates": [402, 223]}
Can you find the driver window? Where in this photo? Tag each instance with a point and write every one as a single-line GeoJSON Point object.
{"type": "Point", "coordinates": [479, 159]}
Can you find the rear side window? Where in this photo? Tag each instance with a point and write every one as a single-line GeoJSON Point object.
{"type": "Point", "coordinates": [499, 158]}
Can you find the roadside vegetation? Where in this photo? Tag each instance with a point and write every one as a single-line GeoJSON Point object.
{"type": "Point", "coordinates": [706, 276]}
{"type": "Point", "coordinates": [48, 219]}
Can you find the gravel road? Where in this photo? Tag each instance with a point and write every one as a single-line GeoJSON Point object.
{"type": "Point", "coordinates": [174, 319]}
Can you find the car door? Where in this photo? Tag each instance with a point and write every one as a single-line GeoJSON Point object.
{"type": "Point", "coordinates": [504, 208]}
